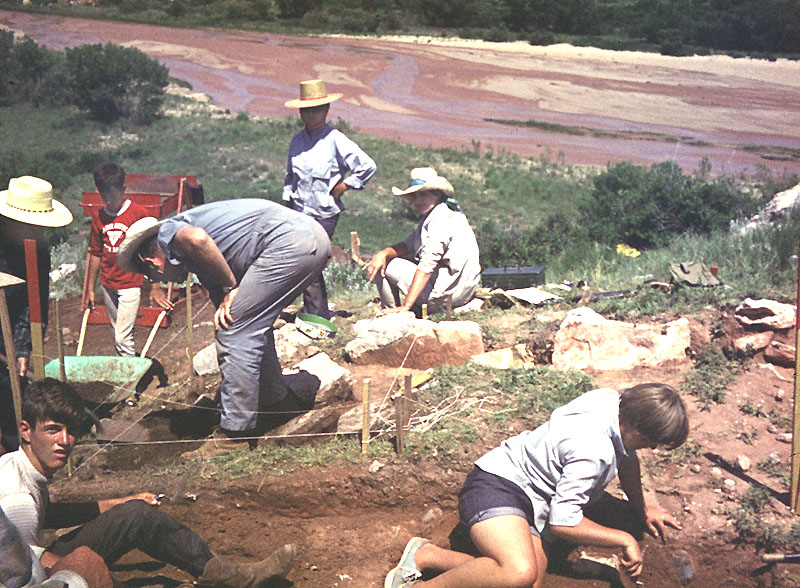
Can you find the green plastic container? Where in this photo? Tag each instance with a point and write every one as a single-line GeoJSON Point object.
{"type": "Point", "coordinates": [113, 377]}
{"type": "Point", "coordinates": [314, 326]}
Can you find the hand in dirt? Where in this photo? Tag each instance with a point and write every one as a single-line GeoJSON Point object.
{"type": "Point", "coordinates": [631, 560]}
{"type": "Point", "coordinates": [159, 298]}
{"type": "Point", "coordinates": [222, 317]}
{"type": "Point", "coordinates": [657, 520]}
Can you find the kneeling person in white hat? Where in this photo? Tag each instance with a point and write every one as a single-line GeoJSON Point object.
{"type": "Point", "coordinates": [439, 259]}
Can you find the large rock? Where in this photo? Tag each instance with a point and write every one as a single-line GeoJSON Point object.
{"type": "Point", "coordinates": [401, 339]}
{"type": "Point", "coordinates": [307, 427]}
{"type": "Point", "coordinates": [335, 381]}
{"type": "Point", "coordinates": [586, 340]}
{"type": "Point", "coordinates": [765, 314]}
{"type": "Point", "coordinates": [290, 344]}
{"type": "Point", "coordinates": [775, 210]}
{"type": "Point", "coordinates": [516, 357]}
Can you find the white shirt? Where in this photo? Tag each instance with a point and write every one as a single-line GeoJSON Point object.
{"type": "Point", "coordinates": [23, 495]}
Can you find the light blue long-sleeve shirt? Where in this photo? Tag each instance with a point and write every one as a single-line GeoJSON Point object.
{"type": "Point", "coordinates": [317, 162]}
{"type": "Point", "coordinates": [568, 461]}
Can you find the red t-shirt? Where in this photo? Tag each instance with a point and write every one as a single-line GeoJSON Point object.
{"type": "Point", "coordinates": [107, 233]}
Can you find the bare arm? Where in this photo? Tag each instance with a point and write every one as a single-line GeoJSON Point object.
{"type": "Point", "coordinates": [194, 244]}
{"type": "Point", "coordinates": [94, 271]}
{"type": "Point", "coordinates": [384, 256]}
{"type": "Point", "coordinates": [590, 533]}
{"type": "Point", "coordinates": [655, 518]}
{"type": "Point", "coordinates": [108, 503]}
{"type": "Point", "coordinates": [418, 283]}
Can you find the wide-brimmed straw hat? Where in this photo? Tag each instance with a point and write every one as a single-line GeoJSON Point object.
{"type": "Point", "coordinates": [30, 200]}
{"type": "Point", "coordinates": [424, 178]}
{"type": "Point", "coordinates": [312, 93]}
{"type": "Point", "coordinates": [137, 233]}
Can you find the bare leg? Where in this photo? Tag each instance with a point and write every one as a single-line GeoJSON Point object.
{"type": "Point", "coordinates": [512, 558]}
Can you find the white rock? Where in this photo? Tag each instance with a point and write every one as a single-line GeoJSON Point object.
{"type": "Point", "coordinates": [743, 463]}
{"type": "Point", "coordinates": [586, 340]}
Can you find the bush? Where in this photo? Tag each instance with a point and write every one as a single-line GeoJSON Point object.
{"type": "Point", "coordinates": [112, 82]}
{"type": "Point", "coordinates": [644, 209]}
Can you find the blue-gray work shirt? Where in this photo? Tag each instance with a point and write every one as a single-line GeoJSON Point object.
{"type": "Point", "coordinates": [241, 229]}
{"type": "Point", "coordinates": [568, 461]}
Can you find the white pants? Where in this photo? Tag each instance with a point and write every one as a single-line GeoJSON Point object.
{"type": "Point", "coordinates": [122, 307]}
{"type": "Point", "coordinates": [394, 286]}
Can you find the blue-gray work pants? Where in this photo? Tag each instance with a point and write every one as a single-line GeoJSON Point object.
{"type": "Point", "coordinates": [251, 372]}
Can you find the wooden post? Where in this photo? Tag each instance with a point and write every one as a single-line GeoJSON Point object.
{"type": "Point", "coordinates": [62, 368]}
{"type": "Point", "coordinates": [355, 246]}
{"type": "Point", "coordinates": [189, 325]}
{"type": "Point", "coordinates": [365, 417]}
{"type": "Point", "coordinates": [8, 339]}
{"type": "Point", "coordinates": [793, 490]}
{"type": "Point", "coordinates": [400, 411]}
{"type": "Point", "coordinates": [449, 309]}
{"type": "Point", "coordinates": [35, 309]}
{"type": "Point", "coordinates": [424, 311]}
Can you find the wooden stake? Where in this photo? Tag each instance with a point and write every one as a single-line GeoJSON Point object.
{"type": "Point", "coordinates": [793, 501]}
{"type": "Point", "coordinates": [62, 368]}
{"type": "Point", "coordinates": [424, 311]}
{"type": "Point", "coordinates": [449, 309]}
{"type": "Point", "coordinates": [189, 325]}
{"type": "Point", "coordinates": [34, 309]}
{"type": "Point", "coordinates": [153, 332]}
{"type": "Point", "coordinates": [400, 406]}
{"type": "Point", "coordinates": [355, 246]}
{"type": "Point", "coordinates": [8, 340]}
{"type": "Point", "coordinates": [365, 417]}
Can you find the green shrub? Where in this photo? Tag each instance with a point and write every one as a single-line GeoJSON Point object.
{"type": "Point", "coordinates": [646, 208]}
{"type": "Point", "coordinates": [111, 82]}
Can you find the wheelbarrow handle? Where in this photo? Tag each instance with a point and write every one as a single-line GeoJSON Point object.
{"type": "Point", "coordinates": [84, 322]}
{"type": "Point", "coordinates": [153, 333]}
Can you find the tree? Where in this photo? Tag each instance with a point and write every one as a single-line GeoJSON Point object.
{"type": "Point", "coordinates": [112, 82]}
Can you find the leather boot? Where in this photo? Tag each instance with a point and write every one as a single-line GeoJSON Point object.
{"type": "Point", "coordinates": [226, 574]}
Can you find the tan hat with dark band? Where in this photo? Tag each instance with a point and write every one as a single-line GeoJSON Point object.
{"type": "Point", "coordinates": [30, 200]}
{"type": "Point", "coordinates": [312, 93]}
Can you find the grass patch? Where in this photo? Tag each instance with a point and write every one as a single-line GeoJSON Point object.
{"type": "Point", "coordinates": [711, 375]}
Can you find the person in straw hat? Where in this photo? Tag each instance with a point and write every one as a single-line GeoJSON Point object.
{"type": "Point", "coordinates": [439, 259]}
{"type": "Point", "coordinates": [27, 210]}
{"type": "Point", "coordinates": [322, 165]}
{"type": "Point", "coordinates": [254, 257]}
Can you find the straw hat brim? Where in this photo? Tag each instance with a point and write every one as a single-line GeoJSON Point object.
{"type": "Point", "coordinates": [438, 183]}
{"type": "Point", "coordinates": [310, 103]}
{"type": "Point", "coordinates": [138, 232]}
{"type": "Point", "coordinates": [60, 216]}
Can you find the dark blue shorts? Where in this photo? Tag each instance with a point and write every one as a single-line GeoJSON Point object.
{"type": "Point", "coordinates": [484, 496]}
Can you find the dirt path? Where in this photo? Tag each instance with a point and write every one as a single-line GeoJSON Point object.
{"type": "Point", "coordinates": [646, 108]}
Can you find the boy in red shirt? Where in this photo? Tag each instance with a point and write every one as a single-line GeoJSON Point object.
{"type": "Point", "coordinates": [121, 290]}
